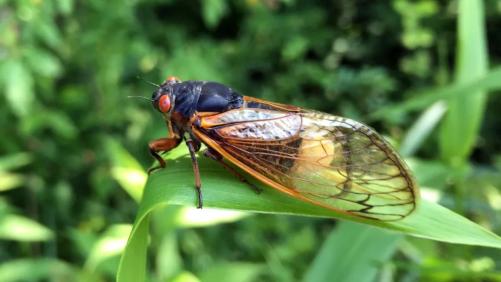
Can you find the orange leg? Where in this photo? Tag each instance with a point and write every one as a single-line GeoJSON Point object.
{"type": "Point", "coordinates": [161, 145]}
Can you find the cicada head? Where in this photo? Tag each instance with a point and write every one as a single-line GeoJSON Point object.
{"type": "Point", "coordinates": [163, 98]}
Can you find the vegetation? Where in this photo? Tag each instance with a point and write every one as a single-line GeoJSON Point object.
{"type": "Point", "coordinates": [73, 154]}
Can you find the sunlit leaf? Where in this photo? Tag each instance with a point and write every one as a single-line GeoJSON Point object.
{"type": "Point", "coordinates": [126, 170]}
{"type": "Point", "coordinates": [19, 87]}
{"type": "Point", "coordinates": [19, 228]}
{"type": "Point", "coordinates": [174, 186]}
{"type": "Point", "coordinates": [36, 270]}
{"type": "Point", "coordinates": [10, 181]}
{"type": "Point", "coordinates": [193, 217]}
{"type": "Point", "coordinates": [110, 244]}
{"type": "Point", "coordinates": [185, 277]}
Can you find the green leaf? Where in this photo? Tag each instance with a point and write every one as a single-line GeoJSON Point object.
{"type": "Point", "coordinates": [488, 82]}
{"type": "Point", "coordinates": [174, 186]}
{"type": "Point", "coordinates": [185, 277]}
{"type": "Point", "coordinates": [422, 128]}
{"type": "Point", "coordinates": [132, 266]}
{"type": "Point", "coordinates": [462, 121]}
{"type": "Point", "coordinates": [19, 228]}
{"type": "Point", "coordinates": [193, 217]}
{"type": "Point", "coordinates": [19, 87]}
{"type": "Point", "coordinates": [43, 63]}
{"type": "Point", "coordinates": [168, 261]}
{"type": "Point", "coordinates": [213, 11]}
{"type": "Point", "coordinates": [13, 161]}
{"type": "Point", "coordinates": [10, 181]}
{"type": "Point", "coordinates": [351, 248]}
{"type": "Point", "coordinates": [295, 48]}
{"type": "Point", "coordinates": [65, 6]}
{"type": "Point", "coordinates": [125, 169]}
{"type": "Point", "coordinates": [111, 243]}
{"type": "Point", "coordinates": [233, 272]}
{"type": "Point", "coordinates": [40, 269]}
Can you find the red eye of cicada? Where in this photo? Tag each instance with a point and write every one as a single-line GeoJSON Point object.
{"type": "Point", "coordinates": [164, 104]}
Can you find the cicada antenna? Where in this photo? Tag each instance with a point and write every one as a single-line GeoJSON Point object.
{"type": "Point", "coordinates": [149, 100]}
{"type": "Point", "coordinates": [147, 81]}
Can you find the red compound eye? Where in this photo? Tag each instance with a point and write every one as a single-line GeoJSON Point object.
{"type": "Point", "coordinates": [164, 104]}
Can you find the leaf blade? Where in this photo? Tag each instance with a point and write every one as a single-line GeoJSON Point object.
{"type": "Point", "coordinates": [464, 116]}
{"type": "Point", "coordinates": [171, 186]}
{"type": "Point", "coordinates": [351, 248]}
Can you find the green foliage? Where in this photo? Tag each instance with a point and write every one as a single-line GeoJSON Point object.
{"type": "Point", "coordinates": [349, 247]}
{"type": "Point", "coordinates": [222, 190]}
{"type": "Point", "coordinates": [457, 135]}
{"type": "Point", "coordinates": [73, 151]}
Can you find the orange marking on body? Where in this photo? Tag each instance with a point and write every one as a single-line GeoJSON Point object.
{"type": "Point", "coordinates": [172, 78]}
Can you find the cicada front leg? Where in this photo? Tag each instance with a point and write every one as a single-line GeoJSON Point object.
{"type": "Point", "coordinates": [161, 145]}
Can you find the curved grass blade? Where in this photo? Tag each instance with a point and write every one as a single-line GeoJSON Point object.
{"type": "Point", "coordinates": [350, 247]}
{"type": "Point", "coordinates": [458, 134]}
{"type": "Point", "coordinates": [489, 82]}
{"type": "Point", "coordinates": [174, 186]}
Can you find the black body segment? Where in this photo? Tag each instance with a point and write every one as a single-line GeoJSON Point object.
{"type": "Point", "coordinates": [216, 97]}
{"type": "Point", "coordinates": [199, 96]}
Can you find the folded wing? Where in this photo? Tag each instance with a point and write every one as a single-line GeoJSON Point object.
{"type": "Point", "coordinates": [331, 161]}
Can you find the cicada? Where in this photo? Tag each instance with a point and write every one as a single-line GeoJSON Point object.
{"type": "Point", "coordinates": [327, 160]}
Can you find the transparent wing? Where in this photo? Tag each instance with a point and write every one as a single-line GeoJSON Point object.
{"type": "Point", "coordinates": [331, 161]}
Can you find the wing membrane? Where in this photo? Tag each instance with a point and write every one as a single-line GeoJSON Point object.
{"type": "Point", "coordinates": [331, 161]}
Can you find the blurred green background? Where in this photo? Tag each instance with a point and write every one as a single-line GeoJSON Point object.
{"type": "Point", "coordinates": [67, 127]}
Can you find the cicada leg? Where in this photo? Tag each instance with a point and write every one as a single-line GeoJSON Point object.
{"type": "Point", "coordinates": [193, 147]}
{"type": "Point", "coordinates": [161, 145]}
{"type": "Point", "coordinates": [217, 157]}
